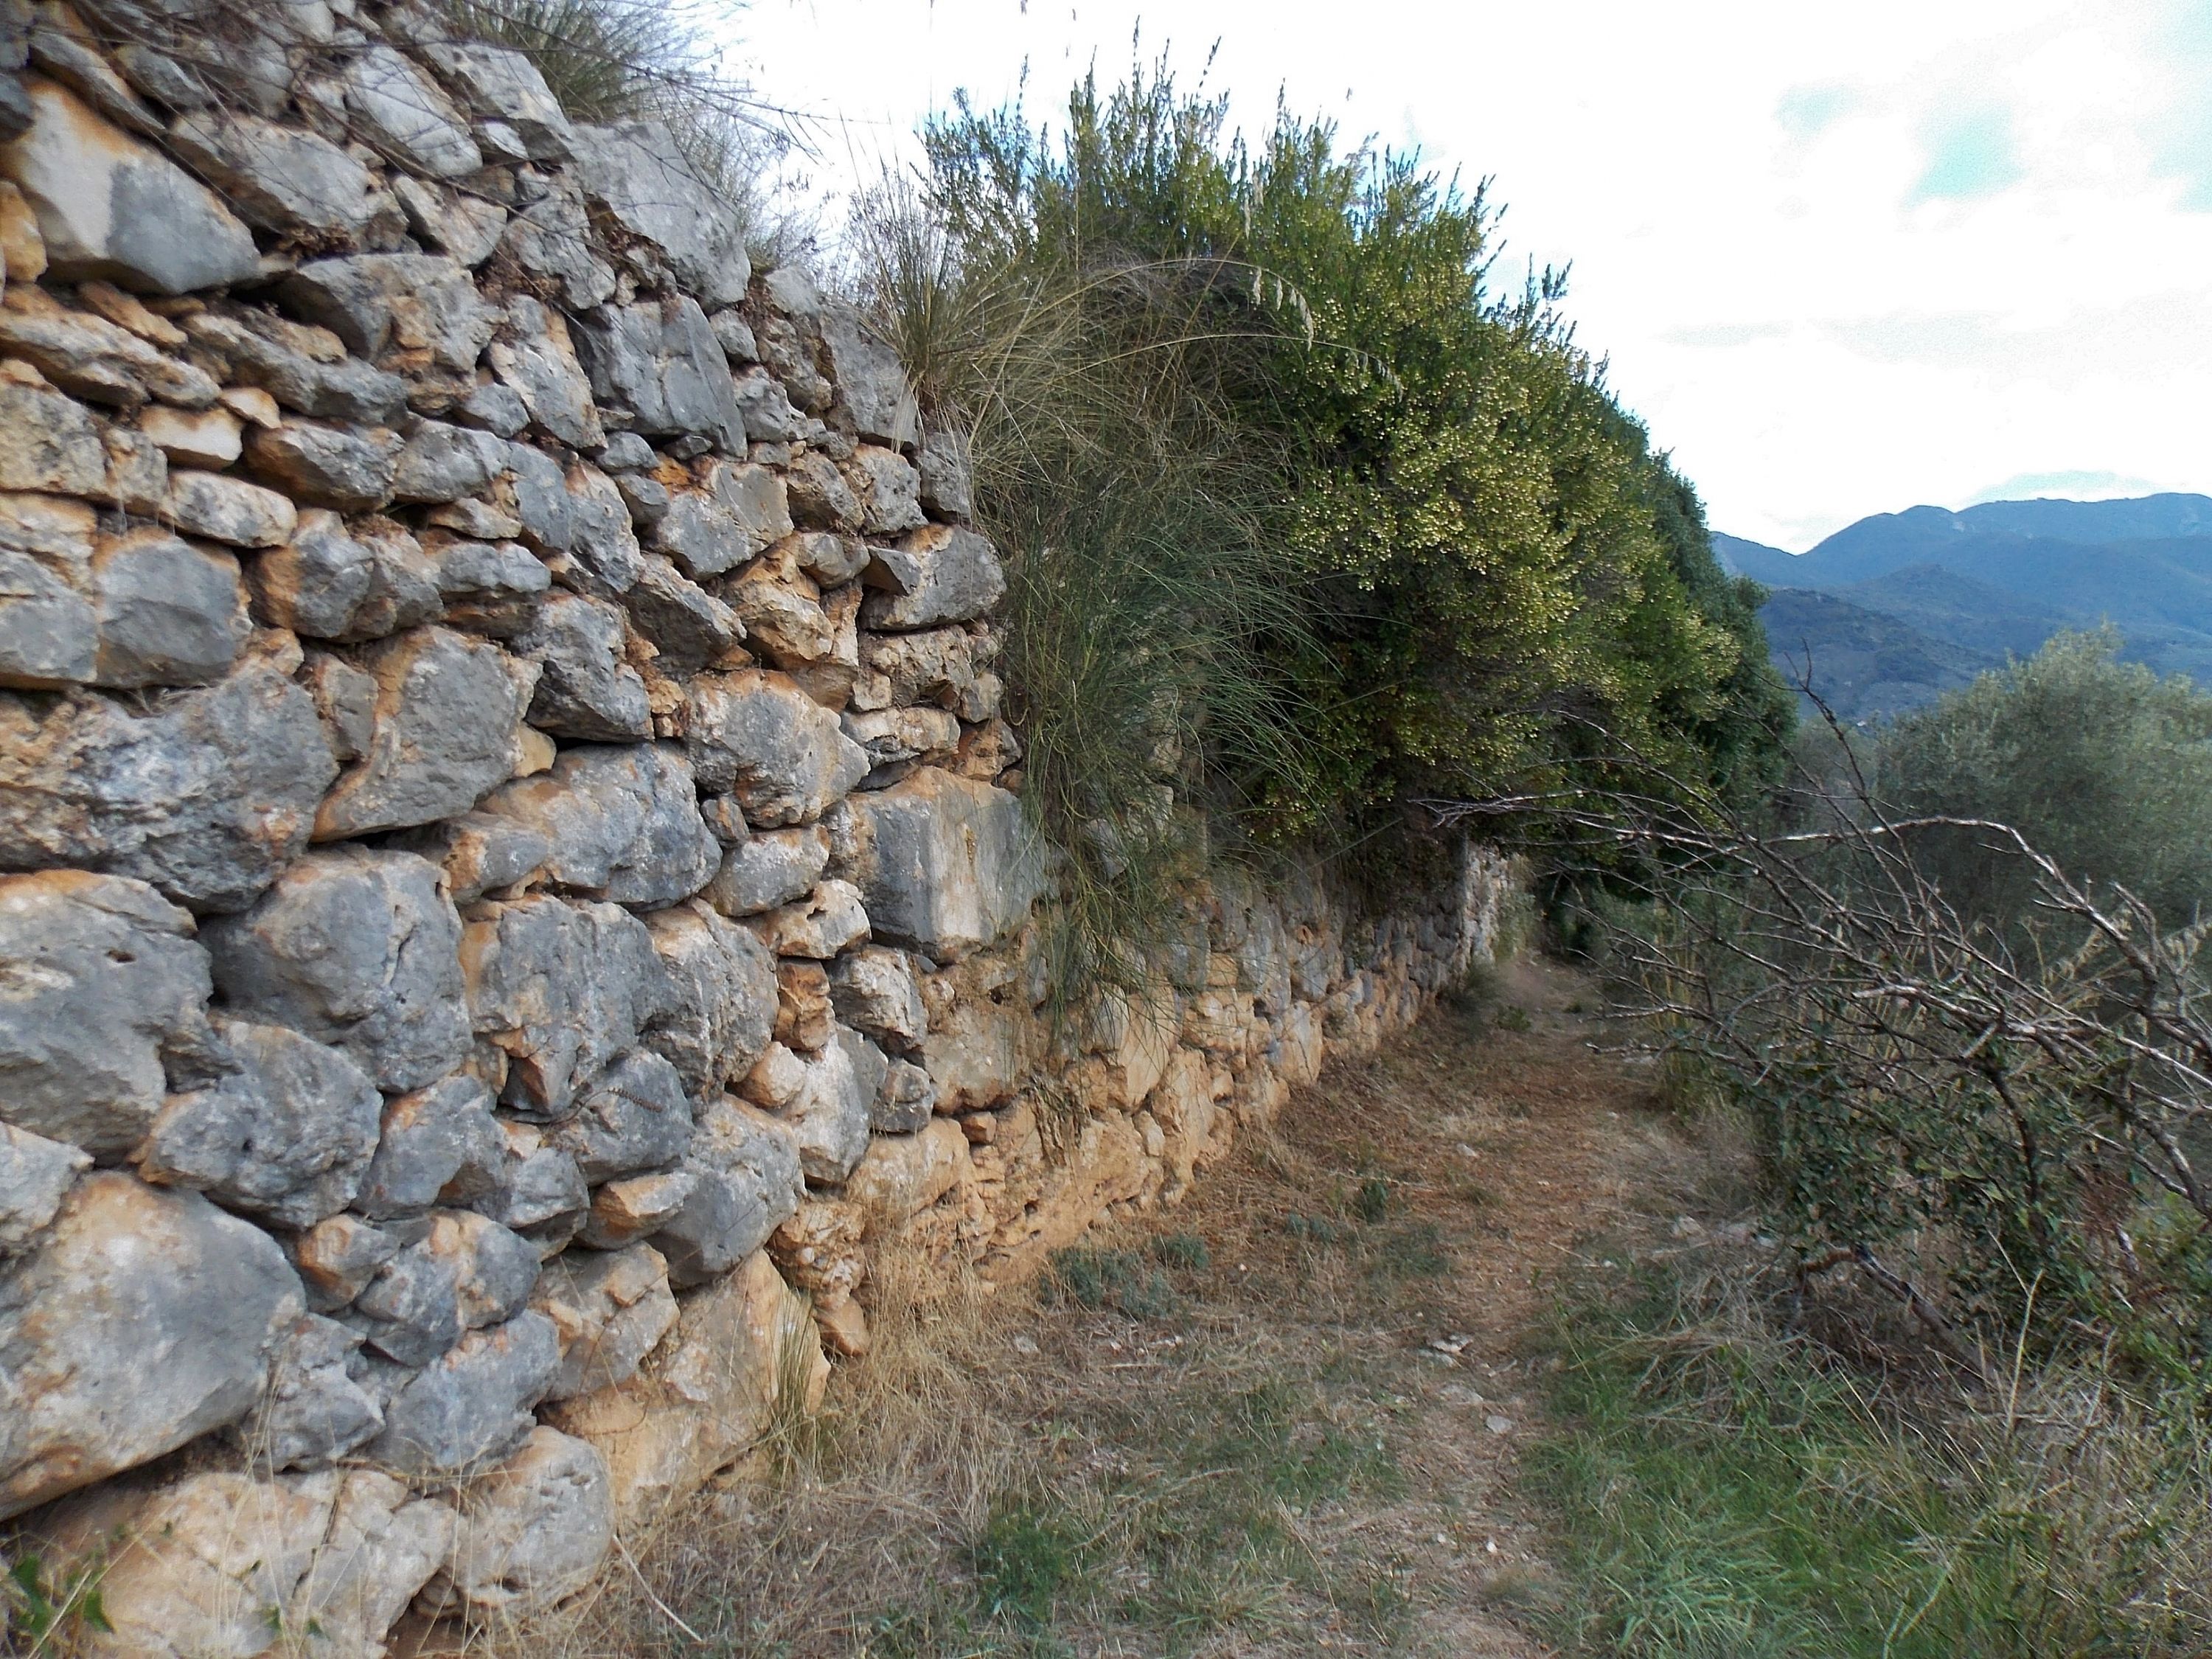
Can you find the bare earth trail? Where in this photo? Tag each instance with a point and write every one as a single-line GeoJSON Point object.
{"type": "Point", "coordinates": [1286, 1416]}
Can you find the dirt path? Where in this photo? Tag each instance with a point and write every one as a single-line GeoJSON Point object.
{"type": "Point", "coordinates": [1289, 1416]}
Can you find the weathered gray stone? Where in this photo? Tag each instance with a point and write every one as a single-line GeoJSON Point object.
{"type": "Point", "coordinates": [623, 821]}
{"type": "Point", "coordinates": [227, 509]}
{"type": "Point", "coordinates": [205, 437]}
{"type": "Point", "coordinates": [281, 178]}
{"type": "Point", "coordinates": [537, 491]}
{"type": "Point", "coordinates": [111, 207]}
{"type": "Point", "coordinates": [943, 667]}
{"type": "Point", "coordinates": [789, 353]}
{"type": "Point", "coordinates": [768, 870]}
{"type": "Point", "coordinates": [769, 416]}
{"type": "Point", "coordinates": [550, 236]}
{"type": "Point", "coordinates": [437, 1145]}
{"type": "Point", "coordinates": [313, 1413]}
{"type": "Point", "coordinates": [721, 1006]}
{"type": "Point", "coordinates": [458, 223]}
{"type": "Point", "coordinates": [540, 365]}
{"type": "Point", "coordinates": [462, 1272]}
{"type": "Point", "coordinates": [875, 992]}
{"type": "Point", "coordinates": [286, 1135]}
{"type": "Point", "coordinates": [349, 469]}
{"type": "Point", "coordinates": [829, 1116]}
{"type": "Point", "coordinates": [93, 358]}
{"type": "Point", "coordinates": [973, 1055]}
{"type": "Point", "coordinates": [86, 72]}
{"type": "Point", "coordinates": [337, 1258]}
{"type": "Point", "coordinates": [945, 864]}
{"type": "Point", "coordinates": [738, 510]}
{"type": "Point", "coordinates": [326, 583]}
{"type": "Point", "coordinates": [444, 463]}
{"type": "Point", "coordinates": [35, 1176]}
{"type": "Point", "coordinates": [938, 574]}
{"type": "Point", "coordinates": [48, 442]}
{"type": "Point", "coordinates": [492, 588]}
{"type": "Point", "coordinates": [904, 1102]}
{"type": "Point", "coordinates": [416, 307]}
{"type": "Point", "coordinates": [633, 1207]}
{"type": "Point", "coordinates": [821, 499]}
{"type": "Point", "coordinates": [660, 363]}
{"type": "Point", "coordinates": [446, 708]}
{"type": "Point", "coordinates": [359, 949]}
{"type": "Point", "coordinates": [586, 690]}
{"type": "Point", "coordinates": [168, 613]}
{"type": "Point", "coordinates": [561, 989]}
{"type": "Point", "coordinates": [749, 1183]}
{"type": "Point", "coordinates": [539, 1192]}
{"type": "Point", "coordinates": [48, 633]}
{"type": "Point", "coordinates": [893, 735]}
{"type": "Point", "coordinates": [507, 85]}
{"type": "Point", "coordinates": [760, 737]}
{"type": "Point", "coordinates": [635, 1118]}
{"type": "Point", "coordinates": [690, 627]}
{"type": "Point", "coordinates": [206, 796]}
{"type": "Point", "coordinates": [470, 1405]}
{"type": "Point", "coordinates": [604, 559]}
{"type": "Point", "coordinates": [345, 701]}
{"type": "Point", "coordinates": [403, 115]}
{"type": "Point", "coordinates": [141, 1320]}
{"type": "Point", "coordinates": [736, 337]}
{"type": "Point", "coordinates": [828, 920]}
{"type": "Point", "coordinates": [889, 488]}
{"type": "Point", "coordinates": [303, 369]}
{"type": "Point", "coordinates": [495, 407]}
{"type": "Point", "coordinates": [481, 853]}
{"type": "Point", "coordinates": [870, 380]}
{"type": "Point", "coordinates": [532, 1531]}
{"type": "Point", "coordinates": [638, 175]}
{"type": "Point", "coordinates": [223, 1563]}
{"type": "Point", "coordinates": [611, 1309]}
{"type": "Point", "coordinates": [625, 452]}
{"type": "Point", "coordinates": [105, 995]}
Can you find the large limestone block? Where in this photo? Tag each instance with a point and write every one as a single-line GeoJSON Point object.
{"type": "Point", "coordinates": [662, 362]}
{"type": "Point", "coordinates": [721, 997]}
{"type": "Point", "coordinates": [409, 310]}
{"type": "Point", "coordinates": [281, 178]}
{"type": "Point", "coordinates": [142, 1321]}
{"type": "Point", "coordinates": [748, 1181]}
{"type": "Point", "coordinates": [402, 112]}
{"type": "Point", "coordinates": [48, 442]}
{"type": "Point", "coordinates": [359, 949]}
{"type": "Point", "coordinates": [444, 732]}
{"type": "Point", "coordinates": [103, 991]}
{"type": "Point", "coordinates": [206, 795]}
{"type": "Point", "coordinates": [223, 1564]}
{"type": "Point", "coordinates": [901, 1175]}
{"type": "Point", "coordinates": [706, 1398]}
{"type": "Point", "coordinates": [287, 1135]}
{"type": "Point", "coordinates": [612, 1308]}
{"type": "Point", "coordinates": [974, 1053]}
{"type": "Point", "coordinates": [112, 207]}
{"type": "Point", "coordinates": [830, 1115]}
{"type": "Point", "coordinates": [945, 864]}
{"type": "Point", "coordinates": [49, 631]}
{"type": "Point", "coordinates": [167, 612]}
{"type": "Point", "coordinates": [532, 1531]}
{"type": "Point", "coordinates": [469, 1406]}
{"type": "Point", "coordinates": [635, 1118]}
{"type": "Point", "coordinates": [507, 86]}
{"type": "Point", "coordinates": [623, 823]}
{"type": "Point", "coordinates": [936, 575]}
{"type": "Point", "coordinates": [562, 989]}
{"type": "Point", "coordinates": [760, 737]}
{"type": "Point", "coordinates": [637, 173]}
{"type": "Point", "coordinates": [586, 688]}
{"type": "Point", "coordinates": [871, 381]}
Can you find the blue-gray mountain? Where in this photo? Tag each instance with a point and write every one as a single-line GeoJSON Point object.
{"type": "Point", "coordinates": [1901, 607]}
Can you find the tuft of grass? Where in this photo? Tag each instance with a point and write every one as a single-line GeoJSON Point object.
{"type": "Point", "coordinates": [1185, 1251]}
{"type": "Point", "coordinates": [1024, 1557]}
{"type": "Point", "coordinates": [1372, 1201]}
{"type": "Point", "coordinates": [1099, 1278]}
{"type": "Point", "coordinates": [1726, 1489]}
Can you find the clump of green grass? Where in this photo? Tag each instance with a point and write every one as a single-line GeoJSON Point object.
{"type": "Point", "coordinates": [1372, 1201]}
{"type": "Point", "coordinates": [1093, 1276]}
{"type": "Point", "coordinates": [1185, 1251]}
{"type": "Point", "coordinates": [1727, 1490]}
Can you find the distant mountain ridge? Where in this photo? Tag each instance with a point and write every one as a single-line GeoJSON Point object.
{"type": "Point", "coordinates": [1912, 601]}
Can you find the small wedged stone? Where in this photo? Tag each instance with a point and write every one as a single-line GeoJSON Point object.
{"type": "Point", "coordinates": [206, 796]}
{"type": "Point", "coordinates": [446, 708]}
{"type": "Point", "coordinates": [469, 1406]}
{"type": "Point", "coordinates": [721, 997]}
{"type": "Point", "coordinates": [506, 84]}
{"type": "Point", "coordinates": [358, 948]}
{"type": "Point", "coordinates": [112, 207]}
{"type": "Point", "coordinates": [830, 1115]}
{"type": "Point", "coordinates": [874, 991]}
{"type": "Point", "coordinates": [690, 627]}
{"type": "Point", "coordinates": [287, 1135]}
{"type": "Point", "coordinates": [626, 1210]}
{"type": "Point", "coordinates": [829, 920]}
{"type": "Point", "coordinates": [141, 1320]}
{"type": "Point", "coordinates": [749, 1182]}
{"type": "Point", "coordinates": [937, 574]}
{"type": "Point", "coordinates": [758, 737]}
{"type": "Point", "coordinates": [337, 1257]}
{"type": "Point", "coordinates": [638, 175]}
{"type": "Point", "coordinates": [227, 509]}
{"type": "Point", "coordinates": [562, 989]}
{"type": "Point", "coordinates": [105, 995]}
{"type": "Point", "coordinates": [167, 612]}
{"type": "Point", "coordinates": [532, 1531]}
{"type": "Point", "coordinates": [481, 854]}
{"type": "Point", "coordinates": [492, 588]}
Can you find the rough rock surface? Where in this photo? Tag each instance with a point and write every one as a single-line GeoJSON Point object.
{"type": "Point", "coordinates": [943, 863]}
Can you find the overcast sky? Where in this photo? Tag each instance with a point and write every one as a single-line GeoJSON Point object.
{"type": "Point", "coordinates": [1843, 258]}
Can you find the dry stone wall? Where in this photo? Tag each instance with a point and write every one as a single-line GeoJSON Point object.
{"type": "Point", "coordinates": [512, 884]}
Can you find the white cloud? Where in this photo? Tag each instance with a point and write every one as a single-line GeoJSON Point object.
{"type": "Point", "coordinates": [1844, 260]}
